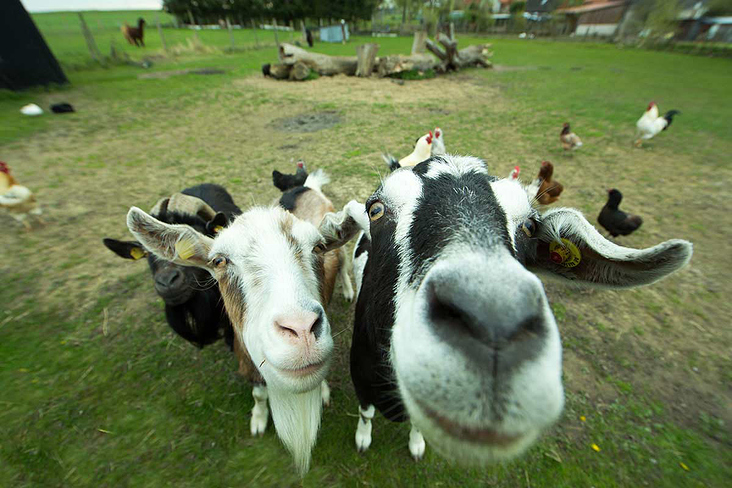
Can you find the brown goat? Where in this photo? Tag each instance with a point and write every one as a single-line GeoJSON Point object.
{"type": "Point", "coordinates": [134, 34]}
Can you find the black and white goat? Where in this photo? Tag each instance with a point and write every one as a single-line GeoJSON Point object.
{"type": "Point", "coordinates": [193, 309]}
{"type": "Point", "coordinates": [453, 330]}
{"type": "Point", "coordinates": [276, 274]}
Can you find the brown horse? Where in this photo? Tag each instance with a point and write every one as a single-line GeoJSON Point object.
{"type": "Point", "coordinates": [134, 34]}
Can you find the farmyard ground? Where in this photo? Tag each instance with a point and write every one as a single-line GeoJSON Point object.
{"type": "Point", "coordinates": [98, 391]}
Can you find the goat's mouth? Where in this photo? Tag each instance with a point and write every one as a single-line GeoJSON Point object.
{"type": "Point", "coordinates": [473, 435]}
{"type": "Point", "coordinates": [303, 371]}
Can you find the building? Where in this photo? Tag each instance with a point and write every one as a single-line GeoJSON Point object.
{"type": "Point", "coordinates": [595, 18]}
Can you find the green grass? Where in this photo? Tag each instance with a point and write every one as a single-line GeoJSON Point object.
{"type": "Point", "coordinates": [97, 391]}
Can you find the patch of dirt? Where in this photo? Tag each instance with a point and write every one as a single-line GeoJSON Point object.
{"type": "Point", "coordinates": [161, 75]}
{"type": "Point", "coordinates": [311, 122]}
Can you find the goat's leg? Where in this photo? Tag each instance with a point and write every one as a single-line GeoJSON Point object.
{"type": "Point", "coordinates": [343, 274]}
{"type": "Point", "coordinates": [325, 393]}
{"type": "Point", "coordinates": [416, 443]}
{"type": "Point", "coordinates": [363, 430]}
{"type": "Point", "coordinates": [260, 412]}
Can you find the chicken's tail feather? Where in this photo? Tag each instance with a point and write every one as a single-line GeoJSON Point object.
{"type": "Point", "coordinates": [391, 162]}
{"type": "Point", "coordinates": [317, 179]}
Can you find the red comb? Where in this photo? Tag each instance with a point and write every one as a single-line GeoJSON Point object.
{"type": "Point", "coordinates": [437, 132]}
{"type": "Point", "coordinates": [300, 164]}
{"type": "Point", "coordinates": [4, 168]}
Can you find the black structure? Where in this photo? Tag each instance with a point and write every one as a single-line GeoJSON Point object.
{"type": "Point", "coordinates": [25, 59]}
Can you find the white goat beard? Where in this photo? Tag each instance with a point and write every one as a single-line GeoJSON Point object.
{"type": "Point", "coordinates": [296, 417]}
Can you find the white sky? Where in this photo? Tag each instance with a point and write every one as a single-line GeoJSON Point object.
{"type": "Point", "coordinates": [53, 5]}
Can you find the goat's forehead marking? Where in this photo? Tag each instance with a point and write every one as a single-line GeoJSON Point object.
{"type": "Point", "coordinates": [402, 188]}
{"type": "Point", "coordinates": [455, 166]}
{"type": "Point", "coordinates": [512, 198]}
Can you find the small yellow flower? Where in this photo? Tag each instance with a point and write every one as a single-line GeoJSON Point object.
{"type": "Point", "coordinates": [582, 418]}
{"type": "Point", "coordinates": [34, 380]}
{"type": "Point", "coordinates": [595, 447]}
{"type": "Point", "coordinates": [23, 370]}
{"type": "Point", "coordinates": [686, 468]}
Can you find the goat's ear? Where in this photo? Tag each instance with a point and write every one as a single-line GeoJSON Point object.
{"type": "Point", "coordinates": [570, 248]}
{"type": "Point", "coordinates": [126, 249]}
{"type": "Point", "coordinates": [339, 228]}
{"type": "Point", "coordinates": [216, 224]}
{"type": "Point", "coordinates": [179, 244]}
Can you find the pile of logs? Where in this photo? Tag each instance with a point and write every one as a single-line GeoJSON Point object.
{"type": "Point", "coordinates": [298, 64]}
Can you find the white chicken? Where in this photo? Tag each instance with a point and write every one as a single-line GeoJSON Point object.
{"type": "Point", "coordinates": [650, 124]}
{"type": "Point", "coordinates": [438, 143]}
{"type": "Point", "coordinates": [422, 151]}
{"type": "Point", "coordinates": [514, 174]}
{"type": "Point", "coordinates": [16, 199]}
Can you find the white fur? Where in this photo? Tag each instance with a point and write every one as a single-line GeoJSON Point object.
{"type": "Point", "coordinates": [297, 419]}
{"type": "Point", "coordinates": [456, 166]}
{"type": "Point", "coordinates": [363, 429]}
{"type": "Point", "coordinates": [260, 412]}
{"type": "Point", "coordinates": [325, 393]}
{"type": "Point", "coordinates": [512, 198]}
{"type": "Point", "coordinates": [416, 443]}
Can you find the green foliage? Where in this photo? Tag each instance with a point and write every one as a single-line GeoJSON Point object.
{"type": "Point", "coordinates": [719, 7]}
{"type": "Point", "coordinates": [414, 74]}
{"type": "Point", "coordinates": [661, 21]}
{"type": "Point", "coordinates": [517, 8]}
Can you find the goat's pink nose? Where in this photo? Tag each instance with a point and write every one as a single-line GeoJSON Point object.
{"type": "Point", "coordinates": [300, 325]}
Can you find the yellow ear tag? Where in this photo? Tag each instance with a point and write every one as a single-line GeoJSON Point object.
{"type": "Point", "coordinates": [218, 229]}
{"type": "Point", "coordinates": [565, 254]}
{"type": "Point", "coordinates": [137, 253]}
{"type": "Point", "coordinates": [185, 248]}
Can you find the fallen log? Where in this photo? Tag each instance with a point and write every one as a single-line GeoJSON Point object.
{"type": "Point", "coordinates": [396, 63]}
{"type": "Point", "coordinates": [320, 63]}
{"type": "Point", "coordinates": [454, 60]}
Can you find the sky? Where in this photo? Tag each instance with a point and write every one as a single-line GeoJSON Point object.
{"type": "Point", "coordinates": [53, 5]}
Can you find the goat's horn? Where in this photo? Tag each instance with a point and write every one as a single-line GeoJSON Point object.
{"type": "Point", "coordinates": [160, 207]}
{"type": "Point", "coordinates": [191, 205]}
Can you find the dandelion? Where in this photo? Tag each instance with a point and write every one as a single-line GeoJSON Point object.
{"type": "Point", "coordinates": [595, 447]}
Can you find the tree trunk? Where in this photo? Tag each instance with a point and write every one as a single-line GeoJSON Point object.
{"type": "Point", "coordinates": [366, 58]}
{"type": "Point", "coordinates": [300, 71]}
{"type": "Point", "coordinates": [277, 71]}
{"type": "Point", "coordinates": [418, 45]}
{"type": "Point", "coordinates": [394, 64]}
{"type": "Point", "coordinates": [453, 60]}
{"type": "Point", "coordinates": [320, 63]}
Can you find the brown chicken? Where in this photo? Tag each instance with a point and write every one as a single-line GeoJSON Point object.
{"type": "Point", "coordinates": [549, 189]}
{"type": "Point", "coordinates": [569, 139]}
{"type": "Point", "coordinates": [16, 199]}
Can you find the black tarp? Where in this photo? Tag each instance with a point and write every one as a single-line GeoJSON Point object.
{"type": "Point", "coordinates": [25, 59]}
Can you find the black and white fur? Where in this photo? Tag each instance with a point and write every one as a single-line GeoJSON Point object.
{"type": "Point", "coordinates": [453, 329]}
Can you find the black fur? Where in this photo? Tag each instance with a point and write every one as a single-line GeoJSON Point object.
{"type": "Point", "coordinates": [197, 315]}
{"type": "Point", "coordinates": [288, 198]}
{"type": "Point", "coordinates": [363, 246]}
{"type": "Point", "coordinates": [286, 182]}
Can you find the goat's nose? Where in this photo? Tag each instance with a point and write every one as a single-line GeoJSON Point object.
{"type": "Point", "coordinates": [481, 321]}
{"type": "Point", "coordinates": [169, 279]}
{"type": "Point", "coordinates": [299, 326]}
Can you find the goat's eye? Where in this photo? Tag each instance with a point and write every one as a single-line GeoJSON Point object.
{"type": "Point", "coordinates": [219, 261]}
{"type": "Point", "coordinates": [529, 227]}
{"type": "Point", "coordinates": [376, 211]}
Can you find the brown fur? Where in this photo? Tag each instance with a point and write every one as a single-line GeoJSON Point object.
{"type": "Point", "coordinates": [134, 35]}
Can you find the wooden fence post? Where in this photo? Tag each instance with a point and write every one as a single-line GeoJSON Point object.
{"type": "Point", "coordinates": [231, 33]}
{"type": "Point", "coordinates": [160, 33]}
{"type": "Point", "coordinates": [254, 30]}
{"type": "Point", "coordinates": [193, 23]}
{"type": "Point", "coordinates": [93, 50]}
{"type": "Point", "coordinates": [274, 27]}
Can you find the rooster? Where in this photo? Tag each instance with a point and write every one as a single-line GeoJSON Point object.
{"type": "Point", "coordinates": [422, 151]}
{"type": "Point", "coordinates": [548, 189]}
{"type": "Point", "coordinates": [438, 143]}
{"type": "Point", "coordinates": [614, 220]}
{"type": "Point", "coordinates": [514, 174]}
{"type": "Point", "coordinates": [284, 181]}
{"type": "Point", "coordinates": [650, 124]}
{"type": "Point", "coordinates": [18, 200]}
{"type": "Point", "coordinates": [569, 139]}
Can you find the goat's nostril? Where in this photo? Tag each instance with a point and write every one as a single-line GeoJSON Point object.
{"type": "Point", "coordinates": [287, 331]}
{"type": "Point", "coordinates": [527, 329]}
{"type": "Point", "coordinates": [317, 328]}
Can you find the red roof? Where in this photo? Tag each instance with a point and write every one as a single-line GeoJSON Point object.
{"type": "Point", "coordinates": [591, 7]}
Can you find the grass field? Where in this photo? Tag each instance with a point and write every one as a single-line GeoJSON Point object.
{"type": "Point", "coordinates": [97, 391]}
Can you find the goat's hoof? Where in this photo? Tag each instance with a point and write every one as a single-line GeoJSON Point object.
{"type": "Point", "coordinates": [349, 296]}
{"type": "Point", "coordinates": [258, 425]}
{"type": "Point", "coordinates": [416, 445]}
{"type": "Point", "coordinates": [363, 442]}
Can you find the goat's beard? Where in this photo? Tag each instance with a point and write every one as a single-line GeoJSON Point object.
{"type": "Point", "coordinates": [296, 417]}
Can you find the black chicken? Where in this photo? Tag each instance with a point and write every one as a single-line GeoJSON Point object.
{"type": "Point", "coordinates": [614, 220]}
{"type": "Point", "coordinates": [284, 181]}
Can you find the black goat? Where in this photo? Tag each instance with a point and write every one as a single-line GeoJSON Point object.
{"type": "Point", "coordinates": [193, 305]}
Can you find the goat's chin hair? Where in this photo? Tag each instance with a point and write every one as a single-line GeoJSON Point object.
{"type": "Point", "coordinates": [296, 417]}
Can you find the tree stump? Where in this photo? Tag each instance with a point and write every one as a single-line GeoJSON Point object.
{"type": "Point", "coordinates": [276, 71]}
{"type": "Point", "coordinates": [453, 60]}
{"type": "Point", "coordinates": [419, 43]}
{"type": "Point", "coordinates": [365, 59]}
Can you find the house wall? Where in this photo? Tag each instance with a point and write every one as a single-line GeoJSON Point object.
{"type": "Point", "coordinates": [596, 29]}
